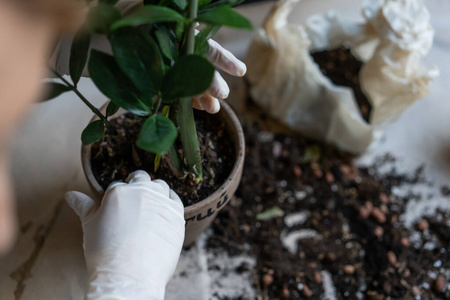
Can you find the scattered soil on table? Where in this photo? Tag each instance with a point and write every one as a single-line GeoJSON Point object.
{"type": "Point", "coordinates": [318, 225]}
{"type": "Point", "coordinates": [342, 68]}
{"type": "Point", "coordinates": [116, 156]}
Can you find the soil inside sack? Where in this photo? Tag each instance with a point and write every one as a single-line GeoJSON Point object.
{"type": "Point", "coordinates": [116, 156]}
{"type": "Point", "coordinates": [342, 68]}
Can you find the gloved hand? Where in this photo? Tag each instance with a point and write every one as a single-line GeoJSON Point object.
{"type": "Point", "coordinates": [226, 61]}
{"type": "Point", "coordinates": [218, 56]}
{"type": "Point", "coordinates": [133, 240]}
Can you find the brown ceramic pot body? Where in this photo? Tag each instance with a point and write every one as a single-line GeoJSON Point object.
{"type": "Point", "coordinates": [200, 215]}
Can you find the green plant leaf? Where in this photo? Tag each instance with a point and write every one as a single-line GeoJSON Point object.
{"type": "Point", "coordinates": [157, 135]}
{"type": "Point", "coordinates": [139, 57]}
{"type": "Point", "coordinates": [166, 111]}
{"type": "Point", "coordinates": [157, 162]}
{"type": "Point", "coordinates": [217, 3]}
{"type": "Point", "coordinates": [167, 45]}
{"type": "Point", "coordinates": [179, 31]}
{"type": "Point", "coordinates": [93, 132]}
{"type": "Point", "coordinates": [111, 109]}
{"type": "Point", "coordinates": [203, 3]}
{"type": "Point", "coordinates": [101, 17]}
{"type": "Point", "coordinates": [180, 4]}
{"type": "Point", "coordinates": [79, 54]}
{"type": "Point", "coordinates": [269, 214]}
{"type": "Point", "coordinates": [149, 14]}
{"type": "Point", "coordinates": [224, 15]}
{"type": "Point", "coordinates": [201, 39]}
{"type": "Point", "coordinates": [312, 153]}
{"type": "Point", "coordinates": [191, 75]}
{"type": "Point", "coordinates": [114, 84]}
{"type": "Point", "coordinates": [55, 89]}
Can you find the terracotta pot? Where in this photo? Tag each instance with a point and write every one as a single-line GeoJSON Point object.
{"type": "Point", "coordinates": [200, 215]}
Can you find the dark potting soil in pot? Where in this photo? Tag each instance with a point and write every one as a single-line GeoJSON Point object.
{"type": "Point", "coordinates": [353, 237]}
{"type": "Point", "coordinates": [116, 156]}
{"type": "Point", "coordinates": [342, 68]}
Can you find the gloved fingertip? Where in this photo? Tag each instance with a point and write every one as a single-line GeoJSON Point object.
{"type": "Point", "coordinates": [71, 197]}
{"type": "Point", "coordinates": [215, 106]}
{"type": "Point", "coordinates": [138, 176]}
{"type": "Point", "coordinates": [241, 68]}
{"type": "Point", "coordinates": [163, 185]}
{"type": "Point", "coordinates": [222, 89]}
{"type": "Point", "coordinates": [81, 204]}
{"type": "Point", "coordinates": [174, 196]}
{"type": "Point", "coordinates": [114, 184]}
{"type": "Point", "coordinates": [196, 104]}
{"type": "Point", "coordinates": [179, 204]}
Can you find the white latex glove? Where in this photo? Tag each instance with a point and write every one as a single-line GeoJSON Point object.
{"type": "Point", "coordinates": [218, 56]}
{"type": "Point", "coordinates": [133, 240]}
{"type": "Point", "coordinates": [226, 61]}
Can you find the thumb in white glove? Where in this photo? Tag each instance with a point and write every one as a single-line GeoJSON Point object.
{"type": "Point", "coordinates": [133, 240]}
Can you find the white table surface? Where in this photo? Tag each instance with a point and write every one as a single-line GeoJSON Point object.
{"type": "Point", "coordinates": [46, 163]}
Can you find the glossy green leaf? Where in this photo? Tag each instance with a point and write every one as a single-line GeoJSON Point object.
{"type": "Point", "coordinates": [93, 132]}
{"type": "Point", "coordinates": [203, 3]}
{"type": "Point", "coordinates": [166, 44]}
{"type": "Point", "coordinates": [149, 14]}
{"type": "Point", "coordinates": [182, 4]}
{"type": "Point", "coordinates": [217, 3]}
{"type": "Point", "coordinates": [224, 15]}
{"type": "Point", "coordinates": [190, 76]}
{"type": "Point", "coordinates": [79, 54]}
{"type": "Point", "coordinates": [111, 109]}
{"type": "Point", "coordinates": [114, 84]}
{"type": "Point", "coordinates": [157, 135]}
{"type": "Point", "coordinates": [139, 57]}
{"type": "Point", "coordinates": [101, 17]}
{"type": "Point", "coordinates": [179, 31]}
{"type": "Point", "coordinates": [201, 39]}
{"type": "Point", "coordinates": [55, 89]}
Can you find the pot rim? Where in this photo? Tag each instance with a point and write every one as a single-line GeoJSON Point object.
{"type": "Point", "coordinates": [194, 208]}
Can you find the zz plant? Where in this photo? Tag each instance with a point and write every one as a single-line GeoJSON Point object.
{"type": "Point", "coordinates": [158, 59]}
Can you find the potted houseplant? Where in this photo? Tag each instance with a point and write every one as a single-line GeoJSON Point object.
{"type": "Point", "coordinates": [157, 65]}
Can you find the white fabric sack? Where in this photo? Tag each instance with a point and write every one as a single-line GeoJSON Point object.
{"type": "Point", "coordinates": [288, 84]}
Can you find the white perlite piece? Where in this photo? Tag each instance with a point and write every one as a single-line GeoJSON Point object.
{"type": "Point", "coordinates": [290, 240]}
{"type": "Point", "coordinates": [328, 286]}
{"type": "Point", "coordinates": [295, 219]}
{"type": "Point", "coordinates": [287, 83]}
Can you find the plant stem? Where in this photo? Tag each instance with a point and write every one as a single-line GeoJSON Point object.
{"type": "Point", "coordinates": [175, 162]}
{"type": "Point", "coordinates": [85, 101]}
{"type": "Point", "coordinates": [157, 104]}
{"type": "Point", "coordinates": [184, 111]}
{"type": "Point", "coordinates": [190, 35]}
